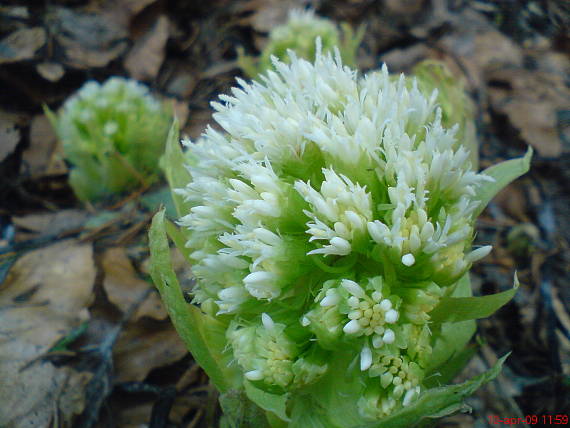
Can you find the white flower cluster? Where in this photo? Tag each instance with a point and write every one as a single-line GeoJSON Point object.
{"type": "Point", "coordinates": [113, 134]}
{"type": "Point", "coordinates": [341, 203]}
{"type": "Point", "coordinates": [338, 206]}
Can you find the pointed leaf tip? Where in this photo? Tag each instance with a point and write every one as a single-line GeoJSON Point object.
{"type": "Point", "coordinates": [503, 174]}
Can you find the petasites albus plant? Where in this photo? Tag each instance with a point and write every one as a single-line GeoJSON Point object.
{"type": "Point", "coordinates": [299, 34]}
{"type": "Point", "coordinates": [329, 227]}
{"type": "Point", "coordinates": [113, 135]}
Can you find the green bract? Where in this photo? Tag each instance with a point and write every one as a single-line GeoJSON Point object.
{"type": "Point", "coordinates": [329, 227]}
{"type": "Point", "coordinates": [113, 135]}
{"type": "Point", "coordinates": [299, 34]}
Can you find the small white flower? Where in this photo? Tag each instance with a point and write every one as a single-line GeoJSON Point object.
{"type": "Point", "coordinates": [352, 327]}
{"type": "Point", "coordinates": [478, 254]}
{"type": "Point", "coordinates": [262, 285]}
{"type": "Point", "coordinates": [353, 288]}
{"type": "Point", "coordinates": [408, 259]}
{"type": "Point", "coordinates": [365, 358]}
{"type": "Point", "coordinates": [254, 375]}
{"type": "Point", "coordinates": [389, 336]}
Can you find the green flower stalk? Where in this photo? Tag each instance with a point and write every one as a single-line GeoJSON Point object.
{"type": "Point", "coordinates": [113, 135]}
{"type": "Point", "coordinates": [299, 34]}
{"type": "Point", "coordinates": [330, 228]}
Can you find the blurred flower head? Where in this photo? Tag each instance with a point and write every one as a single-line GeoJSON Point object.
{"type": "Point", "coordinates": [299, 34]}
{"type": "Point", "coordinates": [113, 135]}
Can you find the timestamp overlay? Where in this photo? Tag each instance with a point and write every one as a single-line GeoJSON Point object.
{"type": "Point", "coordinates": [540, 420]}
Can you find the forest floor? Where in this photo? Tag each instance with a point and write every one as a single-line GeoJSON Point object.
{"type": "Point", "coordinates": [84, 339]}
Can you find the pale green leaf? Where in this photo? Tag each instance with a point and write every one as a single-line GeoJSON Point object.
{"type": "Point", "coordinates": [203, 335]}
{"type": "Point", "coordinates": [437, 402]}
{"type": "Point", "coordinates": [454, 309]}
{"type": "Point", "coordinates": [503, 173]}
{"type": "Point", "coordinates": [331, 402]}
{"type": "Point", "coordinates": [452, 337]}
{"type": "Point", "coordinates": [239, 412]}
{"type": "Point", "coordinates": [173, 165]}
{"type": "Point", "coordinates": [270, 402]}
{"type": "Point", "coordinates": [307, 413]}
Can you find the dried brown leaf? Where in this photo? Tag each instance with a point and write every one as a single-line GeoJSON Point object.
{"type": "Point", "coordinates": [44, 156]}
{"type": "Point", "coordinates": [479, 47]}
{"type": "Point", "coordinates": [51, 223]}
{"type": "Point", "coordinates": [88, 39]}
{"type": "Point", "coordinates": [135, 6]}
{"type": "Point", "coordinates": [124, 287]}
{"type": "Point", "coordinates": [9, 134]}
{"type": "Point", "coordinates": [51, 71]}
{"type": "Point", "coordinates": [21, 44]}
{"type": "Point", "coordinates": [144, 346]}
{"type": "Point", "coordinates": [146, 56]}
{"type": "Point", "coordinates": [43, 298]}
{"type": "Point", "coordinates": [267, 14]}
{"type": "Point", "coordinates": [531, 101]}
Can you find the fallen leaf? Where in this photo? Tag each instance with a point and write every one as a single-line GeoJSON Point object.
{"type": "Point", "coordinates": [532, 100]}
{"type": "Point", "coordinates": [17, 12]}
{"type": "Point", "coordinates": [134, 417]}
{"type": "Point", "coordinates": [44, 297]}
{"type": "Point", "coordinates": [40, 395]}
{"type": "Point", "coordinates": [135, 6]}
{"type": "Point", "coordinates": [478, 46]}
{"type": "Point", "coordinates": [182, 82]}
{"type": "Point", "coordinates": [51, 223]}
{"type": "Point", "coordinates": [51, 71]}
{"type": "Point", "coordinates": [44, 156]}
{"type": "Point", "coordinates": [9, 134]}
{"type": "Point", "coordinates": [146, 56]}
{"type": "Point", "coordinates": [21, 44]}
{"type": "Point", "coordinates": [124, 287]}
{"type": "Point", "coordinates": [88, 39]}
{"type": "Point", "coordinates": [144, 346]}
{"type": "Point", "coordinates": [268, 14]}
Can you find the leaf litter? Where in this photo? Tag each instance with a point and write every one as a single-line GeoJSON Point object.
{"type": "Point", "coordinates": [81, 328]}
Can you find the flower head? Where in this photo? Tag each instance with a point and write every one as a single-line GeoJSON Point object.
{"type": "Point", "coordinates": [299, 34]}
{"type": "Point", "coordinates": [113, 134]}
{"type": "Point", "coordinates": [327, 221]}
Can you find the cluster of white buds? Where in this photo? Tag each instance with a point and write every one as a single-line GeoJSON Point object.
{"type": "Point", "coordinates": [339, 212]}
{"type": "Point", "coordinates": [300, 33]}
{"type": "Point", "coordinates": [327, 222]}
{"type": "Point", "coordinates": [113, 134]}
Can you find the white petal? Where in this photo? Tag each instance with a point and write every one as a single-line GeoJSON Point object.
{"type": "Point", "coordinates": [353, 288]}
{"type": "Point", "coordinates": [352, 327]}
{"type": "Point", "coordinates": [267, 321]}
{"type": "Point", "coordinates": [342, 245]}
{"type": "Point", "coordinates": [254, 375]}
{"type": "Point", "coordinates": [258, 277]}
{"type": "Point", "coordinates": [365, 358]}
{"type": "Point", "coordinates": [478, 254]}
{"type": "Point", "coordinates": [232, 293]}
{"type": "Point", "coordinates": [389, 336]}
{"type": "Point", "coordinates": [378, 231]}
{"type": "Point", "coordinates": [330, 300]}
{"type": "Point", "coordinates": [385, 305]}
{"type": "Point", "coordinates": [409, 397]}
{"type": "Point", "coordinates": [408, 259]}
{"type": "Point", "coordinates": [391, 316]}
{"type": "Point", "coordinates": [377, 341]}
